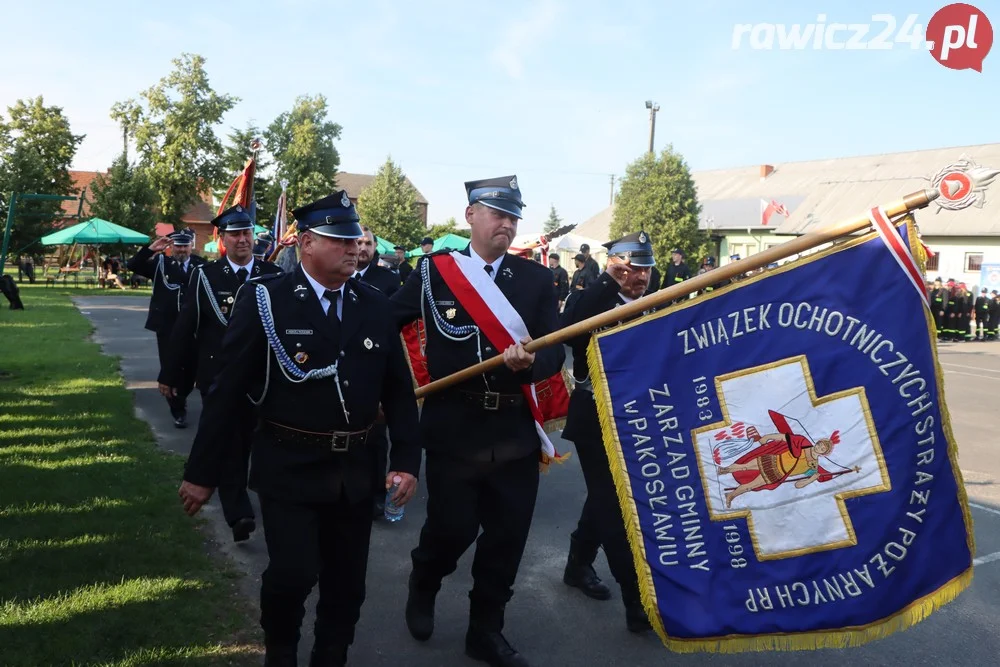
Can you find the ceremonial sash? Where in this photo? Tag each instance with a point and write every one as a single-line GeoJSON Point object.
{"type": "Point", "coordinates": [496, 318]}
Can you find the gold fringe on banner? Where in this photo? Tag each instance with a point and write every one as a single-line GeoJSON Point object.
{"type": "Point", "coordinates": [845, 637]}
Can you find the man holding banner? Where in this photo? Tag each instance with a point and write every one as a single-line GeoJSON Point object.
{"type": "Point", "coordinates": [483, 437]}
{"type": "Point", "coordinates": [626, 278]}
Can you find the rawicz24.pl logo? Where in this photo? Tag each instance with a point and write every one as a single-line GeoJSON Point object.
{"type": "Point", "coordinates": [959, 36]}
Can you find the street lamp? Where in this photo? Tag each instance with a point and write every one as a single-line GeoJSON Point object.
{"type": "Point", "coordinates": [653, 108]}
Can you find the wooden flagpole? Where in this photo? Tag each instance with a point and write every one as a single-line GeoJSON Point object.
{"type": "Point", "coordinates": [911, 202]}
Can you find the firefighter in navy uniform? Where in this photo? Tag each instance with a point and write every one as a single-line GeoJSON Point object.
{"type": "Point", "coordinates": [994, 316]}
{"type": "Point", "coordinates": [318, 351]}
{"type": "Point", "coordinates": [953, 311]}
{"type": "Point", "coordinates": [626, 278]}
{"type": "Point", "coordinates": [482, 461]}
{"type": "Point", "coordinates": [939, 304]}
{"type": "Point", "coordinates": [965, 321]}
{"type": "Point", "coordinates": [982, 315]}
{"type": "Point", "coordinates": [169, 277]}
{"type": "Point", "coordinates": [198, 334]}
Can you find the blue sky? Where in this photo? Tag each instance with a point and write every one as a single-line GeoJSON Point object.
{"type": "Point", "coordinates": [552, 91]}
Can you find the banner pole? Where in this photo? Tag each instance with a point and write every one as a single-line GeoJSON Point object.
{"type": "Point", "coordinates": [911, 202]}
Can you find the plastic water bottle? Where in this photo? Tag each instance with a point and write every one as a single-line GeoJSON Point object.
{"type": "Point", "coordinates": [393, 512]}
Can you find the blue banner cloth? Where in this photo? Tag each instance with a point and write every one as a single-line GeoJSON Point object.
{"type": "Point", "coordinates": [784, 459]}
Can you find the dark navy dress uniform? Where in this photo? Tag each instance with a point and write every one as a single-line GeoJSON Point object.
{"type": "Point", "coordinates": [198, 335]}
{"type": "Point", "coordinates": [318, 367]}
{"type": "Point", "coordinates": [482, 463]}
{"type": "Point", "coordinates": [169, 279]}
{"type": "Point", "coordinates": [601, 521]}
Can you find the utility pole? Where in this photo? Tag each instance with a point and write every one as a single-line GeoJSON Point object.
{"type": "Point", "coordinates": [653, 108]}
{"type": "Point", "coordinates": [612, 200]}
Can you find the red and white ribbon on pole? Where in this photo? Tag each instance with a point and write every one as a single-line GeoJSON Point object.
{"type": "Point", "coordinates": [900, 251]}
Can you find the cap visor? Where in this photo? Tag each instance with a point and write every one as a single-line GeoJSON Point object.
{"type": "Point", "coordinates": [350, 230]}
{"type": "Point", "coordinates": [507, 207]}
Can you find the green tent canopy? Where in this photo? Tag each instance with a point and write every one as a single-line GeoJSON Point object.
{"type": "Point", "coordinates": [384, 248]}
{"type": "Point", "coordinates": [95, 232]}
{"type": "Point", "coordinates": [446, 242]}
{"type": "Point", "coordinates": [212, 246]}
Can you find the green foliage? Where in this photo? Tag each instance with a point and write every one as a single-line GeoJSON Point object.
{"type": "Point", "coordinates": [36, 149]}
{"type": "Point", "coordinates": [554, 221]}
{"type": "Point", "coordinates": [301, 141]}
{"type": "Point", "coordinates": [174, 131]}
{"type": "Point", "coordinates": [658, 195]}
{"type": "Point", "coordinates": [449, 226]}
{"type": "Point", "coordinates": [234, 157]}
{"type": "Point", "coordinates": [389, 207]}
{"type": "Point", "coordinates": [124, 197]}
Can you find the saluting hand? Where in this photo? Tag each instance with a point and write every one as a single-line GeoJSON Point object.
{"type": "Point", "coordinates": [618, 270]}
{"type": "Point", "coordinates": [160, 244]}
{"type": "Point", "coordinates": [194, 496]}
{"type": "Point", "coordinates": [407, 487]}
{"type": "Point", "coordinates": [517, 358]}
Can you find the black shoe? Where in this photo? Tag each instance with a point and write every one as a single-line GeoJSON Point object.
{"type": "Point", "coordinates": [280, 655]}
{"type": "Point", "coordinates": [180, 421]}
{"type": "Point", "coordinates": [243, 528]}
{"type": "Point", "coordinates": [580, 572]}
{"type": "Point", "coordinates": [491, 646]}
{"type": "Point", "coordinates": [328, 655]}
{"type": "Point", "coordinates": [420, 612]}
{"type": "Point", "coordinates": [636, 619]}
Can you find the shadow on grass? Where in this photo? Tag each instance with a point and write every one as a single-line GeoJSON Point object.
{"type": "Point", "coordinates": [89, 512]}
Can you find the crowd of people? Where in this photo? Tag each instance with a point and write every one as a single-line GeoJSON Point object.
{"type": "Point", "coordinates": [960, 315]}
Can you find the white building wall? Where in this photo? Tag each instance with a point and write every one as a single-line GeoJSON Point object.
{"type": "Point", "coordinates": [960, 255]}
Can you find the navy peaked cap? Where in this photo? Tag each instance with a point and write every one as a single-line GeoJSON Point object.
{"type": "Point", "coordinates": [500, 193]}
{"type": "Point", "coordinates": [233, 219]}
{"type": "Point", "coordinates": [333, 215]}
{"type": "Point", "coordinates": [636, 248]}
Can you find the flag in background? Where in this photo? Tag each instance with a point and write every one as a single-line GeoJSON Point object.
{"type": "Point", "coordinates": [767, 209]}
{"type": "Point", "coordinates": [784, 459]}
{"type": "Point", "coordinates": [241, 192]}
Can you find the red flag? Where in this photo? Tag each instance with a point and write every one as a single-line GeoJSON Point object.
{"type": "Point", "coordinates": [241, 191]}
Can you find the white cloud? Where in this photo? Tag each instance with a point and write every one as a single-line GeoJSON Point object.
{"type": "Point", "coordinates": [522, 37]}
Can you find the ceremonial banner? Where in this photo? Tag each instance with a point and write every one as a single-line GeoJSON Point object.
{"type": "Point", "coordinates": [784, 458]}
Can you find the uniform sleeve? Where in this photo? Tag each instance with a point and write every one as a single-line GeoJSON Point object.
{"type": "Point", "coordinates": [182, 336]}
{"type": "Point", "coordinates": [242, 359]}
{"type": "Point", "coordinates": [400, 407]}
{"type": "Point", "coordinates": [550, 360]}
{"type": "Point", "coordinates": [406, 301]}
{"type": "Point", "coordinates": [563, 284]}
{"type": "Point", "coordinates": [143, 263]}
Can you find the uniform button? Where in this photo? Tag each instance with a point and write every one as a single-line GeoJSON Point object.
{"type": "Point", "coordinates": [298, 345]}
{"type": "Point", "coordinates": [493, 378]}
{"type": "Point", "coordinates": [489, 349]}
{"type": "Point", "coordinates": [346, 383]}
{"type": "Point", "coordinates": [341, 353]}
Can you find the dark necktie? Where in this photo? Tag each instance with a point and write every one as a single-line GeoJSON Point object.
{"type": "Point", "coordinates": [489, 270]}
{"type": "Point", "coordinates": [242, 274]}
{"type": "Point", "coordinates": [333, 296]}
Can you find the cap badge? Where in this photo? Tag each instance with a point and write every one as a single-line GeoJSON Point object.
{"type": "Point", "coordinates": [642, 237]}
{"type": "Point", "coordinates": [301, 357]}
{"type": "Point", "coordinates": [239, 209]}
{"type": "Point", "coordinates": [450, 313]}
{"type": "Point", "coordinates": [345, 201]}
{"type": "Point", "coordinates": [368, 343]}
{"type": "Point", "coordinates": [513, 183]}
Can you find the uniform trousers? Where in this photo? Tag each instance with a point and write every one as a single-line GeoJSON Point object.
{"type": "Point", "coordinates": [233, 494]}
{"type": "Point", "coordinates": [601, 522]}
{"type": "Point", "coordinates": [178, 403]}
{"type": "Point", "coordinates": [309, 543]}
{"type": "Point", "coordinates": [378, 441]}
{"type": "Point", "coordinates": [463, 496]}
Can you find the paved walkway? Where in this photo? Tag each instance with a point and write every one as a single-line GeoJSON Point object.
{"type": "Point", "coordinates": [548, 622]}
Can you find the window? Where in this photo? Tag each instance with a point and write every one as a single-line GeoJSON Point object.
{"type": "Point", "coordinates": [932, 262]}
{"type": "Point", "coordinates": [973, 262]}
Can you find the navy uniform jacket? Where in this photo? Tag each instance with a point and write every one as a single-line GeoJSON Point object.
{"type": "Point", "coordinates": [451, 422]}
{"type": "Point", "coordinates": [384, 280]}
{"type": "Point", "coordinates": [372, 370]}
{"type": "Point", "coordinates": [603, 295]}
{"type": "Point", "coordinates": [199, 329]}
{"type": "Point", "coordinates": [169, 283]}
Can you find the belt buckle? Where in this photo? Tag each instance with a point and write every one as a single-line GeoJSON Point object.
{"type": "Point", "coordinates": [491, 401]}
{"type": "Point", "coordinates": [340, 442]}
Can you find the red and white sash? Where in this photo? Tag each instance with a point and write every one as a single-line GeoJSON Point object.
{"type": "Point", "coordinates": [495, 317]}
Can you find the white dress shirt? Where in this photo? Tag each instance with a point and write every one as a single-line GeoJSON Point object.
{"type": "Point", "coordinates": [237, 267]}
{"type": "Point", "coordinates": [321, 295]}
{"type": "Point", "coordinates": [481, 263]}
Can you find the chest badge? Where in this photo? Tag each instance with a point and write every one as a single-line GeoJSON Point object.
{"type": "Point", "coordinates": [450, 313]}
{"type": "Point", "coordinates": [368, 343]}
{"type": "Point", "coordinates": [301, 357]}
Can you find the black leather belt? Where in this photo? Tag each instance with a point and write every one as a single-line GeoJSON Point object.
{"type": "Point", "coordinates": [491, 400]}
{"type": "Point", "coordinates": [337, 441]}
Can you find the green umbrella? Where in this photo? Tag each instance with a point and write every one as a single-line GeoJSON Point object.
{"type": "Point", "coordinates": [446, 242]}
{"type": "Point", "coordinates": [95, 231]}
{"type": "Point", "coordinates": [384, 247]}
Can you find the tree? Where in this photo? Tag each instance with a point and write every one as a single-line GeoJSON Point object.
{"type": "Point", "coordinates": [36, 149]}
{"type": "Point", "coordinates": [301, 141]}
{"type": "Point", "coordinates": [554, 221]}
{"type": "Point", "coordinates": [234, 156]}
{"type": "Point", "coordinates": [658, 195]}
{"type": "Point", "coordinates": [389, 207]}
{"type": "Point", "coordinates": [175, 136]}
{"type": "Point", "coordinates": [449, 226]}
{"type": "Point", "coordinates": [125, 197]}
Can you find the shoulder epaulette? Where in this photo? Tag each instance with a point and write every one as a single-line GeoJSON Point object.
{"type": "Point", "coordinates": [266, 276]}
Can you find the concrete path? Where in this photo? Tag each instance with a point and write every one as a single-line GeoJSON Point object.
{"type": "Point", "coordinates": [552, 624]}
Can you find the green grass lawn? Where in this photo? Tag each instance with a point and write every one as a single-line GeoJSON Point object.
{"type": "Point", "coordinates": [98, 564]}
